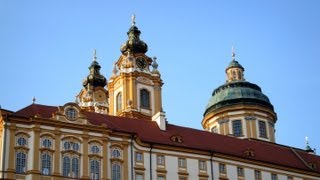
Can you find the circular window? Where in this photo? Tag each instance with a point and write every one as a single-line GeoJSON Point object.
{"type": "Point", "coordinates": [71, 113]}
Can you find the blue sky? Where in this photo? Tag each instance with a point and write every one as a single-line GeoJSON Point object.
{"type": "Point", "coordinates": [47, 46]}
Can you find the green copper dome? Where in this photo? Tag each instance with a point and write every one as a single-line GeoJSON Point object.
{"type": "Point", "coordinates": [237, 92]}
{"type": "Point", "coordinates": [234, 64]}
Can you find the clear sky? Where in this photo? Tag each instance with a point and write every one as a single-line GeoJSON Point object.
{"type": "Point", "coordinates": [47, 46]}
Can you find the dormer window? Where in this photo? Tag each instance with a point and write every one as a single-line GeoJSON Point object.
{"type": "Point", "coordinates": [176, 138]}
{"type": "Point", "coordinates": [71, 113]}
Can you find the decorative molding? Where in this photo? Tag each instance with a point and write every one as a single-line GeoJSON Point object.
{"type": "Point", "coordinates": [222, 121]}
{"type": "Point", "coordinates": [250, 118]}
{"type": "Point", "coordinates": [144, 80]}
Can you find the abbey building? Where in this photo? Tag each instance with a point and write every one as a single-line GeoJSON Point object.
{"type": "Point", "coordinates": [117, 130]}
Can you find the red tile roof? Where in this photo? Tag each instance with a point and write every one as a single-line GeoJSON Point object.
{"type": "Point", "coordinates": [148, 132]}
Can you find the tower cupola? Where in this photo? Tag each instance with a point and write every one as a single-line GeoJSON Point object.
{"type": "Point", "coordinates": [134, 44]}
{"type": "Point", "coordinates": [94, 96]}
{"type": "Point", "coordinates": [240, 108]}
{"type": "Point", "coordinates": [234, 70]}
{"type": "Point", "coordinates": [94, 79]}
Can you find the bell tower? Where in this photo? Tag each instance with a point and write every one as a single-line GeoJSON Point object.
{"type": "Point", "coordinates": [135, 85]}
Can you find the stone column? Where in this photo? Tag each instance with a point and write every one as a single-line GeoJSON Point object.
{"type": "Point", "coordinates": [35, 170]}
{"type": "Point", "coordinates": [57, 155]}
{"type": "Point", "coordinates": [125, 161]}
{"type": "Point", "coordinates": [11, 154]}
{"type": "Point", "coordinates": [105, 152]}
{"type": "Point", "coordinates": [85, 138]}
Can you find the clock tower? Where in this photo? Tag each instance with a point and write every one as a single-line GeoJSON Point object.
{"type": "Point", "coordinates": [135, 85]}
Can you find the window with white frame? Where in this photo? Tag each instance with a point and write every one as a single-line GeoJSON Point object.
{"type": "Point", "coordinates": [21, 152]}
{"type": "Point", "coordinates": [145, 98]}
{"type": "Point", "coordinates": [202, 165]}
{"type": "Point", "coordinates": [95, 149]}
{"type": "Point", "coordinates": [21, 159]}
{"type": "Point", "coordinates": [237, 128]}
{"type": "Point", "coordinates": [222, 168]}
{"type": "Point", "coordinates": [94, 169]}
{"type": "Point", "coordinates": [22, 141]}
{"type": "Point", "coordinates": [257, 175]}
{"type": "Point", "coordinates": [71, 113]}
{"type": "Point", "coordinates": [70, 145]}
{"type": "Point", "coordinates": [116, 153]}
{"type": "Point", "coordinates": [160, 160]}
{"type": "Point", "coordinates": [240, 171]}
{"type": "Point", "coordinates": [115, 171]}
{"type": "Point", "coordinates": [262, 129]}
{"type": "Point", "coordinates": [46, 163]}
{"type": "Point", "coordinates": [139, 157]}
{"type": "Point", "coordinates": [46, 142]}
{"type": "Point", "coordinates": [182, 163]}
{"type": "Point", "coordinates": [70, 166]}
{"type": "Point", "coordinates": [274, 177]}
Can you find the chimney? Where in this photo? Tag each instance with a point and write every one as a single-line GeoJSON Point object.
{"type": "Point", "coordinates": [160, 119]}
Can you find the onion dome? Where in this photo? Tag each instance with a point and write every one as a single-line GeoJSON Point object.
{"type": "Point", "coordinates": [95, 79]}
{"type": "Point", "coordinates": [237, 91]}
{"type": "Point", "coordinates": [134, 44]}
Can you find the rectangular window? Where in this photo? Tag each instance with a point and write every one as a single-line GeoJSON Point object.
{"type": "Point", "coordinates": [274, 177]}
{"type": "Point", "coordinates": [161, 177]}
{"type": "Point", "coordinates": [182, 163]}
{"type": "Point", "coordinates": [139, 157]}
{"type": "Point", "coordinates": [202, 165]}
{"type": "Point", "coordinates": [240, 171]}
{"type": "Point", "coordinates": [237, 128]}
{"type": "Point", "coordinates": [183, 178]}
{"type": "Point", "coordinates": [222, 168]}
{"type": "Point", "coordinates": [257, 175]}
{"type": "Point", "coordinates": [290, 178]}
{"type": "Point", "coordinates": [139, 176]}
{"type": "Point", "coordinates": [160, 160]}
{"type": "Point", "coordinates": [262, 129]}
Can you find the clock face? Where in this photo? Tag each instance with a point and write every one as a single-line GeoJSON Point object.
{"type": "Point", "coordinates": [141, 62]}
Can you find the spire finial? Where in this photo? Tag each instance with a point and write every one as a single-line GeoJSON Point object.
{"type": "Point", "coordinates": [233, 54]}
{"type": "Point", "coordinates": [133, 20]}
{"type": "Point", "coordinates": [33, 100]}
{"type": "Point", "coordinates": [307, 140]}
{"type": "Point", "coordinates": [95, 55]}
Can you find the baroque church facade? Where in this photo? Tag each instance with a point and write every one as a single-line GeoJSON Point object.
{"type": "Point", "coordinates": [117, 130]}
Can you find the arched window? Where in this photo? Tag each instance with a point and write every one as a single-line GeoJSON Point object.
{"type": "Point", "coordinates": [46, 164]}
{"type": "Point", "coordinates": [94, 169]}
{"type": "Point", "coordinates": [46, 143]}
{"type": "Point", "coordinates": [21, 162]}
{"type": "Point", "coordinates": [116, 154]}
{"type": "Point", "coordinates": [75, 167]}
{"type": "Point", "coordinates": [71, 113]}
{"type": "Point", "coordinates": [115, 171]}
{"type": "Point", "coordinates": [119, 102]}
{"type": "Point", "coordinates": [66, 166]}
{"type": "Point", "coordinates": [145, 98]}
{"type": "Point", "coordinates": [95, 149]}
{"type": "Point", "coordinates": [22, 141]}
{"type": "Point", "coordinates": [70, 166]}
